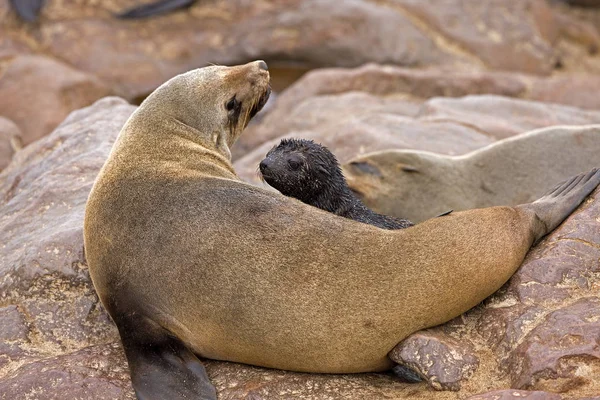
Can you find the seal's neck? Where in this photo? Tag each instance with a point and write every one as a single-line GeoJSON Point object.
{"type": "Point", "coordinates": [336, 196]}
{"type": "Point", "coordinates": [165, 141]}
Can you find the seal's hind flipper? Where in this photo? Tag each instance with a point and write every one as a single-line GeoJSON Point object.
{"type": "Point", "coordinates": [28, 10]}
{"type": "Point", "coordinates": [561, 201]}
{"type": "Point", "coordinates": [157, 8]}
{"type": "Point", "coordinates": [161, 366]}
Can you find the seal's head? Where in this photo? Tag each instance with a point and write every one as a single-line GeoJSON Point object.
{"type": "Point", "coordinates": [302, 169]}
{"type": "Point", "coordinates": [217, 102]}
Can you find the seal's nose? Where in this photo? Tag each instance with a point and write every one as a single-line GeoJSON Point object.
{"type": "Point", "coordinates": [263, 65]}
{"type": "Point", "coordinates": [264, 165]}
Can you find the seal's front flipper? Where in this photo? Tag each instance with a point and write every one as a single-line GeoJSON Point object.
{"type": "Point", "coordinates": [161, 366]}
{"type": "Point", "coordinates": [561, 201]}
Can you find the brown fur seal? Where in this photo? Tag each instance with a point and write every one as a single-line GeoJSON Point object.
{"type": "Point", "coordinates": [309, 172]}
{"type": "Point", "coordinates": [419, 185]}
{"type": "Point", "coordinates": [189, 260]}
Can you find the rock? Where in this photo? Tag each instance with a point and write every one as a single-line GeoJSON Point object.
{"type": "Point", "coordinates": [312, 101]}
{"type": "Point", "coordinates": [555, 347]}
{"type": "Point", "coordinates": [561, 352]}
{"type": "Point", "coordinates": [41, 235]}
{"type": "Point", "coordinates": [511, 394]}
{"type": "Point", "coordinates": [443, 361]}
{"type": "Point", "coordinates": [523, 36]}
{"type": "Point", "coordinates": [50, 310]}
{"type": "Point", "coordinates": [96, 372]}
{"type": "Point", "coordinates": [37, 93]}
{"type": "Point", "coordinates": [10, 141]}
{"type": "Point", "coordinates": [103, 54]}
{"type": "Point", "coordinates": [503, 117]}
{"type": "Point", "coordinates": [418, 186]}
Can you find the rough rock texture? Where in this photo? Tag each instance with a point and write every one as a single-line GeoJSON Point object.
{"type": "Point", "coordinates": [526, 36]}
{"type": "Point", "coordinates": [37, 93]}
{"type": "Point", "coordinates": [133, 57]}
{"type": "Point", "coordinates": [325, 101]}
{"type": "Point", "coordinates": [10, 141]}
{"type": "Point", "coordinates": [443, 361]}
{"type": "Point", "coordinates": [49, 311]}
{"type": "Point", "coordinates": [511, 394]}
{"type": "Point", "coordinates": [57, 342]}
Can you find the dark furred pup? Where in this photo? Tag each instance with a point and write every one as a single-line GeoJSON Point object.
{"type": "Point", "coordinates": [309, 172]}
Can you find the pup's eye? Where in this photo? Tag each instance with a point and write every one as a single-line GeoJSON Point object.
{"type": "Point", "coordinates": [294, 164]}
{"type": "Point", "coordinates": [231, 104]}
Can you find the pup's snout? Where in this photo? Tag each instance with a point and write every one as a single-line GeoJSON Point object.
{"type": "Point", "coordinates": [264, 165]}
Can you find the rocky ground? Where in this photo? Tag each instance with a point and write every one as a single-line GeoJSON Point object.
{"type": "Point", "coordinates": [449, 79]}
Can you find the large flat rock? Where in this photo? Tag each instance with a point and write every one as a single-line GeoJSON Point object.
{"type": "Point", "coordinates": [88, 51]}
{"type": "Point", "coordinates": [325, 102]}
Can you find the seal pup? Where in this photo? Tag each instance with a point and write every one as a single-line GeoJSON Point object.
{"type": "Point", "coordinates": [191, 261]}
{"type": "Point", "coordinates": [419, 185]}
{"type": "Point", "coordinates": [309, 172]}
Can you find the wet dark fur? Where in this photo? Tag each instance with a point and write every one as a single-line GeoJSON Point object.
{"type": "Point", "coordinates": [309, 172]}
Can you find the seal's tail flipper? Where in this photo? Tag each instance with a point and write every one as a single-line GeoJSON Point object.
{"type": "Point", "coordinates": [156, 8]}
{"type": "Point", "coordinates": [562, 200]}
{"type": "Point", "coordinates": [161, 366]}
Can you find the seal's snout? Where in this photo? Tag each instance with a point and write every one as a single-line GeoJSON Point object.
{"type": "Point", "coordinates": [264, 165]}
{"type": "Point", "coordinates": [262, 65]}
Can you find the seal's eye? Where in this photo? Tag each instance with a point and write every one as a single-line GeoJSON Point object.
{"type": "Point", "coordinates": [294, 164]}
{"type": "Point", "coordinates": [231, 104]}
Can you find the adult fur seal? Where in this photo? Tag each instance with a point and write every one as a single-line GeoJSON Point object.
{"type": "Point", "coordinates": [309, 172]}
{"type": "Point", "coordinates": [189, 260]}
{"type": "Point", "coordinates": [419, 185]}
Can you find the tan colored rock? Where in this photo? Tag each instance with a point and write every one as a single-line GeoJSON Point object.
{"type": "Point", "coordinates": [524, 36]}
{"type": "Point", "coordinates": [511, 394]}
{"type": "Point", "coordinates": [503, 117]}
{"type": "Point", "coordinates": [96, 372]}
{"type": "Point", "coordinates": [441, 360]}
{"type": "Point", "coordinates": [37, 93]}
{"type": "Point", "coordinates": [10, 141]}
{"type": "Point", "coordinates": [292, 111]}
